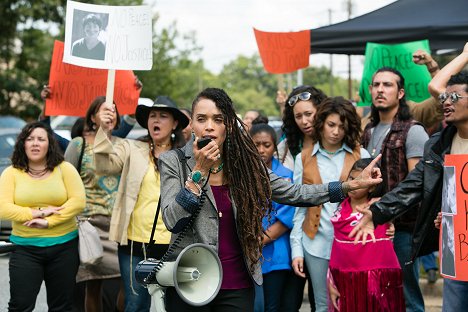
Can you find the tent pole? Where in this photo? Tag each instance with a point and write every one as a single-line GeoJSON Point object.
{"type": "Point", "coordinates": [350, 81]}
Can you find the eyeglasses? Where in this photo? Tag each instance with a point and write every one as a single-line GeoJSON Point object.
{"type": "Point", "coordinates": [454, 97]}
{"type": "Point", "coordinates": [304, 96]}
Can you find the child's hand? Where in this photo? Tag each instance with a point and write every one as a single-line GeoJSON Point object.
{"type": "Point", "coordinates": [391, 230]}
{"type": "Point", "coordinates": [334, 296]}
{"type": "Point", "coordinates": [438, 220]}
{"type": "Point", "coordinates": [298, 266]}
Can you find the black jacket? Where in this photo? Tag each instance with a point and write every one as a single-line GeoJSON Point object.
{"type": "Point", "coordinates": [423, 185]}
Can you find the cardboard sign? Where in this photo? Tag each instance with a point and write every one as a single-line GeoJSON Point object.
{"type": "Point", "coordinates": [283, 52]}
{"type": "Point", "coordinates": [453, 249]}
{"type": "Point", "coordinates": [74, 87]}
{"type": "Point", "coordinates": [399, 57]}
{"type": "Point", "coordinates": [110, 37]}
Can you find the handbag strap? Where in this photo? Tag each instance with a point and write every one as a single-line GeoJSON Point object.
{"type": "Point", "coordinates": [80, 159]}
{"type": "Point", "coordinates": [183, 161]}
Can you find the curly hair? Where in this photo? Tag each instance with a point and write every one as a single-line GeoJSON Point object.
{"type": "Point", "coordinates": [348, 116]}
{"type": "Point", "coordinates": [294, 135]}
{"type": "Point", "coordinates": [54, 156]}
{"type": "Point", "coordinates": [404, 112]}
{"type": "Point", "coordinates": [250, 192]}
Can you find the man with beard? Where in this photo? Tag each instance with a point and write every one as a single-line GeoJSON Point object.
{"type": "Point", "coordinates": [424, 184]}
{"type": "Point", "coordinates": [400, 139]}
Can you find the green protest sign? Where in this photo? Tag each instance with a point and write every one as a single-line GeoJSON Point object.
{"type": "Point", "coordinates": [400, 57]}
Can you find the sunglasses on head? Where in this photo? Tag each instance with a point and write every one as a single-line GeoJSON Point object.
{"type": "Point", "coordinates": [454, 97]}
{"type": "Point", "coordinates": [304, 96]}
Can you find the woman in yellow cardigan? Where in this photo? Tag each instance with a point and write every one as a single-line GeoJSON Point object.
{"type": "Point", "coordinates": [41, 194]}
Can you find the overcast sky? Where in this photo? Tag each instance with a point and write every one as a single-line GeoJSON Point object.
{"type": "Point", "coordinates": [224, 27]}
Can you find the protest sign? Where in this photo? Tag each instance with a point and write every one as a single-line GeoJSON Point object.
{"type": "Point", "coordinates": [108, 37]}
{"type": "Point", "coordinates": [283, 52]}
{"type": "Point", "coordinates": [74, 87]}
{"type": "Point", "coordinates": [453, 249]}
{"type": "Point", "coordinates": [399, 57]}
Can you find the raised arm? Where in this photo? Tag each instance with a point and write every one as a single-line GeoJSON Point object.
{"type": "Point", "coordinates": [439, 82]}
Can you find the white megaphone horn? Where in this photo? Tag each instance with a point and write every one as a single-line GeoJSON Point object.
{"type": "Point", "coordinates": [196, 275]}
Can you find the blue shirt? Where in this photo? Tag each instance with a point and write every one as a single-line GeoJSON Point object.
{"type": "Point", "coordinates": [277, 254]}
{"type": "Point", "coordinates": [330, 170]}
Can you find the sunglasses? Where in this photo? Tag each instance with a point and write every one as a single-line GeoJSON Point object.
{"type": "Point", "coordinates": [304, 96]}
{"type": "Point", "coordinates": [454, 97]}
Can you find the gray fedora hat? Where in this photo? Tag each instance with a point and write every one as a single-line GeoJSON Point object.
{"type": "Point", "coordinates": [146, 105]}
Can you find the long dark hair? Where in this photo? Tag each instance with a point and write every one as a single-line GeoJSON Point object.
{"type": "Point", "coordinates": [294, 135]}
{"type": "Point", "coordinates": [54, 156]}
{"type": "Point", "coordinates": [251, 192]}
{"type": "Point", "coordinates": [92, 111]}
{"type": "Point", "coordinates": [404, 112]}
{"type": "Point", "coordinates": [348, 116]}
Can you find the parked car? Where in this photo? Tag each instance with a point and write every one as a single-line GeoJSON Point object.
{"type": "Point", "coordinates": [11, 122]}
{"type": "Point", "coordinates": [7, 143]}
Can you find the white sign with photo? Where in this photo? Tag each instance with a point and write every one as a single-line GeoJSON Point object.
{"type": "Point", "coordinates": [108, 37]}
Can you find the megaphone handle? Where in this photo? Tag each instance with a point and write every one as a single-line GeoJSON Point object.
{"type": "Point", "coordinates": [152, 275]}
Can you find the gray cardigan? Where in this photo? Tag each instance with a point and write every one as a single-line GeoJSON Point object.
{"type": "Point", "coordinates": [205, 227]}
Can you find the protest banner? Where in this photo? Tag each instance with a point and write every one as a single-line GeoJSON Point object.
{"type": "Point", "coordinates": [108, 37]}
{"type": "Point", "coordinates": [453, 245]}
{"type": "Point", "coordinates": [283, 53]}
{"type": "Point", "coordinates": [399, 57]}
{"type": "Point", "coordinates": [74, 87]}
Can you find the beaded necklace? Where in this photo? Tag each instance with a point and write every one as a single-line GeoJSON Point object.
{"type": "Point", "coordinates": [217, 169]}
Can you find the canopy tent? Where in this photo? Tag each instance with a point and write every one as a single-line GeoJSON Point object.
{"type": "Point", "coordinates": [443, 22]}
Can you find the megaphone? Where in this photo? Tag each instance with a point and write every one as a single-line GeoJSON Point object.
{"type": "Point", "coordinates": [196, 274]}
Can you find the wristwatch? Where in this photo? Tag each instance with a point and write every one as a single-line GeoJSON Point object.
{"type": "Point", "coordinates": [197, 177]}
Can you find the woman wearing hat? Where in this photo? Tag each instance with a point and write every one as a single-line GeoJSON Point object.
{"type": "Point", "coordinates": [137, 198]}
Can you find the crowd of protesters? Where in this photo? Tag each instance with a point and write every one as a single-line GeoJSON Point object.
{"type": "Point", "coordinates": [278, 209]}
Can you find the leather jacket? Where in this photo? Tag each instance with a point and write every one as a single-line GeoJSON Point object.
{"type": "Point", "coordinates": [423, 185]}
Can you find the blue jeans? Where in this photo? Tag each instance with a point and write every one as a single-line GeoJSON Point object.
{"type": "Point", "coordinates": [137, 298]}
{"type": "Point", "coordinates": [429, 262]}
{"type": "Point", "coordinates": [454, 296]}
{"type": "Point", "coordinates": [402, 243]}
{"type": "Point", "coordinates": [259, 303]}
{"type": "Point", "coordinates": [318, 269]}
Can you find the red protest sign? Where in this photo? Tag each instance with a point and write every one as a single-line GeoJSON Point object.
{"type": "Point", "coordinates": [453, 247]}
{"type": "Point", "coordinates": [74, 87]}
{"type": "Point", "coordinates": [283, 52]}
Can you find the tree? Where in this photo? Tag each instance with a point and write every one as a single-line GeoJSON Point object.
{"type": "Point", "coordinates": [26, 42]}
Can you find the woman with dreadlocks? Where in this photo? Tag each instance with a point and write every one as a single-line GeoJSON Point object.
{"type": "Point", "coordinates": [232, 174]}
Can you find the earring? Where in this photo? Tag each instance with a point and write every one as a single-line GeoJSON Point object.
{"type": "Point", "coordinates": [173, 137]}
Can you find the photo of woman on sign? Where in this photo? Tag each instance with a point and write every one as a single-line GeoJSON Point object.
{"type": "Point", "coordinates": [90, 46]}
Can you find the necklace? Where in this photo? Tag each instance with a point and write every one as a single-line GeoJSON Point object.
{"type": "Point", "coordinates": [218, 169]}
{"type": "Point", "coordinates": [37, 173]}
{"type": "Point", "coordinates": [379, 141]}
{"type": "Point", "coordinates": [163, 145]}
{"type": "Point", "coordinates": [328, 152]}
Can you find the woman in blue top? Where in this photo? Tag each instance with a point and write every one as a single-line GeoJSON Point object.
{"type": "Point", "coordinates": [276, 266]}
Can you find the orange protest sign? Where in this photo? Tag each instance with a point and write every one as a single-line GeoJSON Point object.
{"type": "Point", "coordinates": [283, 52]}
{"type": "Point", "coordinates": [453, 248]}
{"type": "Point", "coordinates": [74, 87]}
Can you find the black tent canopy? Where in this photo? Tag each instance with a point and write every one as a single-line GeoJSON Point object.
{"type": "Point", "coordinates": [443, 22]}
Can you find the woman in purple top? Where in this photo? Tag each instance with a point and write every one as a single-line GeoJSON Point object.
{"type": "Point", "coordinates": [234, 189]}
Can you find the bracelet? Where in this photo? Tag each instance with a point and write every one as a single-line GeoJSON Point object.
{"type": "Point", "coordinates": [345, 188]}
{"type": "Point", "coordinates": [192, 191]}
{"type": "Point", "coordinates": [433, 69]}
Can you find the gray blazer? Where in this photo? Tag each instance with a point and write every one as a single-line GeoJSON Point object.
{"type": "Point", "coordinates": [205, 227]}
